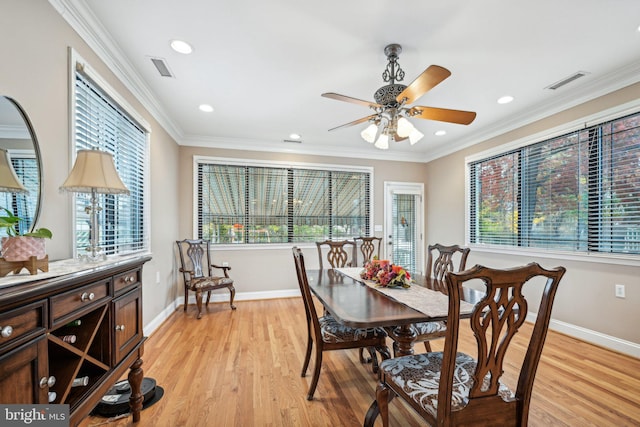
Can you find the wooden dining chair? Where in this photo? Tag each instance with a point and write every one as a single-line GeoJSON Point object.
{"type": "Point", "coordinates": [369, 248]}
{"type": "Point", "coordinates": [440, 259]}
{"type": "Point", "coordinates": [198, 272]}
{"type": "Point", "coordinates": [327, 333]}
{"type": "Point", "coordinates": [450, 388]}
{"type": "Point", "coordinates": [338, 253]}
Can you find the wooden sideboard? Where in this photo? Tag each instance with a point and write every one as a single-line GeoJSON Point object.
{"type": "Point", "coordinates": [84, 325]}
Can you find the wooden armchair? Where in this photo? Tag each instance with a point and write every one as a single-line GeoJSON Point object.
{"type": "Point", "coordinates": [197, 272]}
{"type": "Point", "coordinates": [369, 248]}
{"type": "Point", "coordinates": [450, 388]}
{"type": "Point", "coordinates": [339, 253]}
{"type": "Point", "coordinates": [327, 333]}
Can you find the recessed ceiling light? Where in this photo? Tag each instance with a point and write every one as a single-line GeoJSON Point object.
{"type": "Point", "coordinates": [181, 47]}
{"type": "Point", "coordinates": [440, 132]}
{"type": "Point", "coordinates": [294, 136]}
{"type": "Point", "coordinates": [206, 108]}
{"type": "Point", "coordinates": [505, 99]}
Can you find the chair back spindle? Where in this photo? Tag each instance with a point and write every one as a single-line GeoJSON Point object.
{"type": "Point", "coordinates": [369, 248]}
{"type": "Point", "coordinates": [340, 253]}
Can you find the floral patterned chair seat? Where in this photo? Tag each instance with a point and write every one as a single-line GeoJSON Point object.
{"type": "Point", "coordinates": [419, 377]}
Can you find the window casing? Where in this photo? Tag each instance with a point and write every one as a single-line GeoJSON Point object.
{"type": "Point", "coordinates": [101, 122]}
{"type": "Point", "coordinates": [258, 203]}
{"type": "Point", "coordinates": [578, 192]}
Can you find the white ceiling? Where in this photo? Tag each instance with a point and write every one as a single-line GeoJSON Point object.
{"type": "Point", "coordinates": [264, 64]}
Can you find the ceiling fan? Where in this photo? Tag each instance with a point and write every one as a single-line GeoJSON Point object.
{"type": "Point", "coordinates": [392, 107]}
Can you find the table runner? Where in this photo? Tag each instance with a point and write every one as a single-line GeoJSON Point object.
{"type": "Point", "coordinates": [427, 301]}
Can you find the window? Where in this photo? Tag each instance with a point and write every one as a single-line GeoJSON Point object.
{"type": "Point", "coordinates": [578, 192]}
{"type": "Point", "coordinates": [266, 203]}
{"type": "Point", "coordinates": [101, 122]}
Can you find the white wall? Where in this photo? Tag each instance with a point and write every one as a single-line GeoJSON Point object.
{"type": "Point", "coordinates": [34, 71]}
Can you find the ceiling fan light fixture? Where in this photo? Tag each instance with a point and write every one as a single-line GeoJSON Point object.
{"type": "Point", "coordinates": [404, 127]}
{"type": "Point", "coordinates": [369, 133]}
{"type": "Point", "coordinates": [383, 141]}
{"type": "Point", "coordinates": [415, 136]}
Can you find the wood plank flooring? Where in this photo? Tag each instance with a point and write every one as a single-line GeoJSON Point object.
{"type": "Point", "coordinates": [242, 368]}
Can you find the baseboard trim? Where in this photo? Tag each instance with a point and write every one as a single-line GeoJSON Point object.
{"type": "Point", "coordinates": [593, 337]}
{"type": "Point", "coordinates": [216, 297]}
{"type": "Point", "coordinates": [584, 334]}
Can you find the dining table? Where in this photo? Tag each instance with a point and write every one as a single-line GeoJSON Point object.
{"type": "Point", "coordinates": [358, 303]}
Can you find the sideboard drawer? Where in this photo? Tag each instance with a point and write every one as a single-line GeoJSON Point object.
{"type": "Point", "coordinates": [125, 280]}
{"type": "Point", "coordinates": [22, 323]}
{"type": "Point", "coordinates": [68, 304]}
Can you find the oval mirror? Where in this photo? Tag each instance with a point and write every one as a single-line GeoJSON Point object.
{"type": "Point", "coordinates": [18, 140]}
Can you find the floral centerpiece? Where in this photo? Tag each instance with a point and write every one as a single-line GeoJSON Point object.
{"type": "Point", "coordinates": [386, 274]}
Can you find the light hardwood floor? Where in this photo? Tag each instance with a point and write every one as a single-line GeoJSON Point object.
{"type": "Point", "coordinates": [242, 368]}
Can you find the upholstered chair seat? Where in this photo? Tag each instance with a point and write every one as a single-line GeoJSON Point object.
{"type": "Point", "coordinates": [335, 332]}
{"type": "Point", "coordinates": [419, 377]}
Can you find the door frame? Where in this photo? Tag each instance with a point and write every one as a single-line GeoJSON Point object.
{"type": "Point", "coordinates": [415, 188]}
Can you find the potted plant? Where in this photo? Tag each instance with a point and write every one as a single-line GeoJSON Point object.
{"type": "Point", "coordinates": [21, 247]}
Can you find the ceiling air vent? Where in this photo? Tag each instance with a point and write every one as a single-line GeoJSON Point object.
{"type": "Point", "coordinates": [299, 141]}
{"type": "Point", "coordinates": [162, 67]}
{"type": "Point", "coordinates": [567, 80]}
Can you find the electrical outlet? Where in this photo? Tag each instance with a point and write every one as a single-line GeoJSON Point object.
{"type": "Point", "coordinates": [225, 264]}
{"type": "Point", "coordinates": [620, 290]}
{"type": "Point", "coordinates": [157, 277]}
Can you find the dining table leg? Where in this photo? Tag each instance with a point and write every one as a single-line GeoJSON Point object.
{"type": "Point", "coordinates": [404, 336]}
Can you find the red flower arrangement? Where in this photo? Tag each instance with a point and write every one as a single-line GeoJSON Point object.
{"type": "Point", "coordinates": [386, 274]}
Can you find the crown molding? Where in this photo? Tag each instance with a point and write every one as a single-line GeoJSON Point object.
{"type": "Point", "coordinates": [578, 95]}
{"type": "Point", "coordinates": [295, 148]}
{"type": "Point", "coordinates": [91, 30]}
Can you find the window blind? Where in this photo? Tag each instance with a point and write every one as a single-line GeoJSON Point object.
{"type": "Point", "coordinates": [101, 123]}
{"type": "Point", "coordinates": [255, 204]}
{"type": "Point", "coordinates": [577, 192]}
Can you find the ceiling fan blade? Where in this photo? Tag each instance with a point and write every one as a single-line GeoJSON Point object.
{"type": "Point", "coordinates": [345, 98]}
{"type": "Point", "coordinates": [443, 115]}
{"type": "Point", "coordinates": [355, 122]}
{"type": "Point", "coordinates": [426, 81]}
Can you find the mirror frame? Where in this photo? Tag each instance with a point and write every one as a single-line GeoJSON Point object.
{"type": "Point", "coordinates": [36, 149]}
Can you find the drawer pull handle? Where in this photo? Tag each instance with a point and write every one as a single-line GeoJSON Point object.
{"type": "Point", "coordinates": [6, 331]}
{"type": "Point", "coordinates": [119, 327]}
{"type": "Point", "coordinates": [87, 296]}
{"type": "Point", "coordinates": [50, 382]}
{"type": "Point", "coordinates": [129, 279]}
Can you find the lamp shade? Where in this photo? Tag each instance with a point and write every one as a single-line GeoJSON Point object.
{"type": "Point", "coordinates": [383, 141]}
{"type": "Point", "coordinates": [369, 134]}
{"type": "Point", "coordinates": [9, 182]}
{"type": "Point", "coordinates": [94, 171]}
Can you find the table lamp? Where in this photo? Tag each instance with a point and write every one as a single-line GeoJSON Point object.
{"type": "Point", "coordinates": [9, 182]}
{"type": "Point", "coordinates": [94, 172]}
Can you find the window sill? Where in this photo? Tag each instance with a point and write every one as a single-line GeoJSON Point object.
{"type": "Point", "coordinates": [602, 258]}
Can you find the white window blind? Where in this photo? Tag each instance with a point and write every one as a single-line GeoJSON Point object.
{"type": "Point", "coordinates": [254, 204]}
{"type": "Point", "coordinates": [101, 123]}
{"type": "Point", "coordinates": [577, 192]}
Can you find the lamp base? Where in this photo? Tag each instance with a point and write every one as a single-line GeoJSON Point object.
{"type": "Point", "coordinates": [94, 255]}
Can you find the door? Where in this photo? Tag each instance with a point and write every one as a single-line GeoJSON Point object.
{"type": "Point", "coordinates": [404, 224]}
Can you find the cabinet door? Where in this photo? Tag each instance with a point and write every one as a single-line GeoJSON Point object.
{"type": "Point", "coordinates": [22, 371]}
{"type": "Point", "coordinates": [128, 333]}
